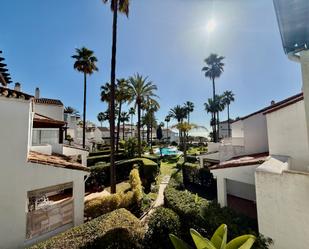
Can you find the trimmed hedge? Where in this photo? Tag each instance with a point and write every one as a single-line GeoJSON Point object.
{"type": "Point", "coordinates": [118, 229]}
{"type": "Point", "coordinates": [92, 160]}
{"type": "Point", "coordinates": [162, 222]}
{"type": "Point", "coordinates": [100, 174]}
{"type": "Point", "coordinates": [103, 152]}
{"type": "Point", "coordinates": [199, 178]}
{"type": "Point", "coordinates": [130, 200]}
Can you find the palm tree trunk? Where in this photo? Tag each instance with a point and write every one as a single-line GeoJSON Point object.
{"type": "Point", "coordinates": [131, 125]}
{"type": "Point", "coordinates": [188, 117]}
{"type": "Point", "coordinates": [185, 147]}
{"type": "Point", "coordinates": [84, 114]}
{"type": "Point", "coordinates": [151, 137]}
{"type": "Point", "coordinates": [218, 123]}
{"type": "Point", "coordinates": [118, 127]}
{"type": "Point", "coordinates": [214, 97]}
{"type": "Point", "coordinates": [139, 129]}
{"type": "Point", "coordinates": [167, 131]}
{"type": "Point", "coordinates": [228, 121]}
{"type": "Point", "coordinates": [123, 130]}
{"type": "Point", "coordinates": [112, 104]}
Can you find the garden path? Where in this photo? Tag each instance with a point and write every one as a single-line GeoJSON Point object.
{"type": "Point", "coordinates": [160, 198]}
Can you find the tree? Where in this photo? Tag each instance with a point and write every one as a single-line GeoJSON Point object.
{"type": "Point", "coordinates": [167, 120]}
{"type": "Point", "coordinates": [190, 108]}
{"type": "Point", "coordinates": [121, 6]}
{"type": "Point", "coordinates": [228, 98]}
{"type": "Point", "coordinates": [219, 105]}
{"type": "Point", "coordinates": [210, 107]}
{"type": "Point", "coordinates": [132, 112]}
{"type": "Point", "coordinates": [121, 96]}
{"type": "Point", "coordinates": [140, 89]}
{"type": "Point", "coordinates": [70, 110]}
{"type": "Point", "coordinates": [101, 117]}
{"type": "Point", "coordinates": [151, 106]}
{"type": "Point", "coordinates": [213, 69]}
{"type": "Point", "coordinates": [124, 117]}
{"type": "Point", "coordinates": [179, 113]}
{"type": "Point", "coordinates": [85, 62]}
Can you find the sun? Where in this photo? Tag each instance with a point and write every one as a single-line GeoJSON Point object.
{"type": "Point", "coordinates": [211, 25]}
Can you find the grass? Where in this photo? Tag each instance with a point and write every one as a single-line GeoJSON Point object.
{"type": "Point", "coordinates": [166, 169]}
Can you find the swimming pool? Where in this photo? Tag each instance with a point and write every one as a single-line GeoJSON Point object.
{"type": "Point", "coordinates": [168, 151]}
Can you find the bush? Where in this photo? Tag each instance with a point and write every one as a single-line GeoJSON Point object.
{"type": "Point", "coordinates": [200, 178]}
{"type": "Point", "coordinates": [174, 143]}
{"type": "Point", "coordinates": [130, 200]}
{"type": "Point", "coordinates": [118, 229]}
{"type": "Point", "coordinates": [92, 160]}
{"type": "Point", "coordinates": [162, 222]}
{"type": "Point", "coordinates": [180, 163]}
{"type": "Point", "coordinates": [131, 147]}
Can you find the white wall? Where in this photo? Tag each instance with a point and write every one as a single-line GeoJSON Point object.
{"type": "Point", "coordinates": [51, 111]}
{"type": "Point", "coordinates": [18, 177]}
{"type": "Point", "coordinates": [237, 128]}
{"type": "Point", "coordinates": [241, 190]}
{"type": "Point", "coordinates": [255, 134]}
{"type": "Point", "coordinates": [287, 135]}
{"type": "Point", "coordinates": [282, 204]}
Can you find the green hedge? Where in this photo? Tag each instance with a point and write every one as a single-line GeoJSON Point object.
{"type": "Point", "coordinates": [199, 178]}
{"type": "Point", "coordinates": [92, 160]}
{"type": "Point", "coordinates": [130, 200]}
{"type": "Point", "coordinates": [161, 223]}
{"type": "Point", "coordinates": [100, 174]}
{"type": "Point", "coordinates": [118, 229]}
{"type": "Point", "coordinates": [103, 152]}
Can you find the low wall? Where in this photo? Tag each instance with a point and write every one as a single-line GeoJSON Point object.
{"type": "Point", "coordinates": [282, 204]}
{"type": "Point", "coordinates": [44, 149]}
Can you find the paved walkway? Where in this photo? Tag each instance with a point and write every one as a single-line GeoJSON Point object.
{"type": "Point", "coordinates": [160, 198]}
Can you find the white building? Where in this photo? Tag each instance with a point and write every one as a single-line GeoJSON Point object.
{"type": "Point", "coordinates": [224, 129]}
{"type": "Point", "coordinates": [41, 193]}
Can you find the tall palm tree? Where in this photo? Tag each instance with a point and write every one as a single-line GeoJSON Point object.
{"type": "Point", "coordinates": [124, 117]}
{"type": "Point", "coordinates": [121, 6]}
{"type": "Point", "coordinates": [210, 107]}
{"type": "Point", "coordinates": [152, 106]}
{"type": "Point", "coordinates": [132, 112]}
{"type": "Point", "coordinates": [190, 108]}
{"type": "Point", "coordinates": [140, 89]}
{"type": "Point", "coordinates": [167, 120]}
{"type": "Point", "coordinates": [85, 62]}
{"type": "Point", "coordinates": [101, 117]}
{"type": "Point", "coordinates": [220, 106]}
{"type": "Point", "coordinates": [228, 98]}
{"type": "Point", "coordinates": [213, 69]}
{"type": "Point", "coordinates": [121, 96]}
{"type": "Point", "coordinates": [179, 113]}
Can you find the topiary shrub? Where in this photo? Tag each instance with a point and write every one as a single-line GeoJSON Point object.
{"type": "Point", "coordinates": [162, 222]}
{"type": "Point", "coordinates": [118, 229]}
{"type": "Point", "coordinates": [92, 160]}
{"type": "Point", "coordinates": [130, 200]}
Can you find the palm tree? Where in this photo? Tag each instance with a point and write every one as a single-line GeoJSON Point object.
{"type": "Point", "coordinates": [101, 117]}
{"type": "Point", "coordinates": [70, 110]}
{"type": "Point", "coordinates": [123, 7]}
{"type": "Point", "coordinates": [140, 89]}
{"type": "Point", "coordinates": [132, 112]}
{"type": "Point", "coordinates": [124, 117]}
{"type": "Point", "coordinates": [167, 120]}
{"type": "Point", "coordinates": [190, 108]}
{"type": "Point", "coordinates": [210, 107]}
{"type": "Point", "coordinates": [213, 69]}
{"type": "Point", "coordinates": [85, 62]}
{"type": "Point", "coordinates": [152, 106]}
{"type": "Point", "coordinates": [179, 113]}
{"type": "Point", "coordinates": [121, 96]}
{"type": "Point", "coordinates": [228, 98]}
{"type": "Point", "coordinates": [219, 105]}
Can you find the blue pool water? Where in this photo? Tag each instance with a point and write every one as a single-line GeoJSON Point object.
{"type": "Point", "coordinates": [168, 151]}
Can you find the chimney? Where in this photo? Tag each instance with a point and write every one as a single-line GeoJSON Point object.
{"type": "Point", "coordinates": [17, 87]}
{"type": "Point", "coordinates": [272, 102]}
{"type": "Point", "coordinates": [37, 93]}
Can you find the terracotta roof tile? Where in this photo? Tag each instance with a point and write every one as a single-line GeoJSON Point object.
{"type": "Point", "coordinates": [242, 161]}
{"type": "Point", "coordinates": [48, 101]}
{"type": "Point", "coordinates": [9, 93]}
{"type": "Point", "coordinates": [55, 160]}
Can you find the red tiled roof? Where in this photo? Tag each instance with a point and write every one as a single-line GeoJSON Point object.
{"type": "Point", "coordinates": [273, 106]}
{"type": "Point", "coordinates": [55, 160]}
{"type": "Point", "coordinates": [48, 101]}
{"type": "Point", "coordinates": [242, 161]}
{"type": "Point", "coordinates": [9, 93]}
{"type": "Point", "coordinates": [39, 120]}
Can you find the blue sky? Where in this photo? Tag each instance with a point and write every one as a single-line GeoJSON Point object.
{"type": "Point", "coordinates": [164, 39]}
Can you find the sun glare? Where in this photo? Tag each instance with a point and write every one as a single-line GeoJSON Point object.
{"type": "Point", "coordinates": [211, 25]}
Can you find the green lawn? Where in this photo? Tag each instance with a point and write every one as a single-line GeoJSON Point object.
{"type": "Point", "coordinates": [166, 169]}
